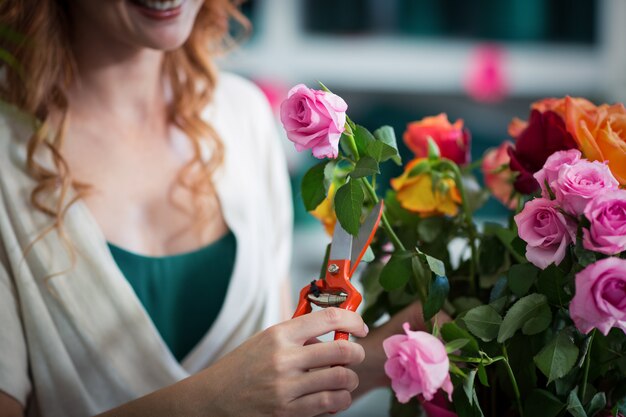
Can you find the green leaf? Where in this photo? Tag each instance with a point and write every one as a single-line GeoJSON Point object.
{"type": "Point", "coordinates": [522, 311]}
{"type": "Point", "coordinates": [436, 265]}
{"type": "Point", "coordinates": [455, 345]}
{"type": "Point", "coordinates": [364, 167]}
{"type": "Point", "coordinates": [451, 331]}
{"type": "Point", "coordinates": [584, 256]}
{"type": "Point", "coordinates": [464, 304]}
{"type": "Point", "coordinates": [482, 375]}
{"type": "Point", "coordinates": [313, 192]}
{"type": "Point", "coordinates": [574, 407]}
{"type": "Point", "coordinates": [362, 139]}
{"type": "Point", "coordinates": [558, 357]}
{"type": "Point", "coordinates": [464, 406]}
{"type": "Point", "coordinates": [430, 228]}
{"type": "Point", "coordinates": [552, 282]}
{"type": "Point", "coordinates": [437, 292]}
{"type": "Point", "coordinates": [483, 321]}
{"type": "Point", "coordinates": [433, 149]}
{"type": "Point", "coordinates": [540, 322]}
{"type": "Point", "coordinates": [323, 270]}
{"type": "Point", "coordinates": [329, 174]}
{"type": "Point", "coordinates": [543, 403]}
{"type": "Point", "coordinates": [468, 385]}
{"type": "Point", "coordinates": [323, 87]}
{"type": "Point", "coordinates": [380, 151]}
{"type": "Point", "coordinates": [348, 204]}
{"type": "Point", "coordinates": [597, 404]}
{"type": "Point", "coordinates": [397, 271]}
{"type": "Point", "coordinates": [371, 284]}
{"type": "Point", "coordinates": [420, 168]}
{"type": "Point", "coordinates": [387, 135]}
{"type": "Point", "coordinates": [521, 277]}
{"type": "Point", "coordinates": [421, 276]}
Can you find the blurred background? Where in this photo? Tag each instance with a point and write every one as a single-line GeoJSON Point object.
{"type": "Point", "coordinates": [395, 61]}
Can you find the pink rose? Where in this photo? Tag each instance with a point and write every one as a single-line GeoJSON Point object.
{"type": "Point", "coordinates": [498, 176]}
{"type": "Point", "coordinates": [546, 231]}
{"type": "Point", "coordinates": [417, 363]}
{"type": "Point", "coordinates": [607, 215]}
{"type": "Point", "coordinates": [314, 119]}
{"type": "Point", "coordinates": [579, 183]}
{"type": "Point", "coordinates": [550, 171]}
{"type": "Point", "coordinates": [600, 300]}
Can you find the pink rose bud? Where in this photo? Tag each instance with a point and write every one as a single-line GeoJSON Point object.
{"type": "Point", "coordinates": [417, 364]}
{"type": "Point", "coordinates": [550, 171]}
{"type": "Point", "coordinates": [546, 231]}
{"type": "Point", "coordinates": [314, 119]}
{"type": "Point", "coordinates": [607, 215]}
{"type": "Point", "coordinates": [498, 176]}
{"type": "Point", "coordinates": [600, 300]}
{"type": "Point", "coordinates": [581, 182]}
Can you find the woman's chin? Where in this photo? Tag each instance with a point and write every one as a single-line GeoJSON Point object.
{"type": "Point", "coordinates": [163, 25]}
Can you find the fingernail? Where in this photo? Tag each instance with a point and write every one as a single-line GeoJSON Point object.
{"type": "Point", "coordinates": [365, 328]}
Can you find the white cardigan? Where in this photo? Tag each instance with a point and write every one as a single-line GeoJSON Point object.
{"type": "Point", "coordinates": [79, 343]}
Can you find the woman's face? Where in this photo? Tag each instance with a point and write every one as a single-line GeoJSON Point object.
{"type": "Point", "coordinates": [155, 24]}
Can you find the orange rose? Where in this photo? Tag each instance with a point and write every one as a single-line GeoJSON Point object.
{"type": "Point", "coordinates": [560, 105]}
{"type": "Point", "coordinates": [600, 133]}
{"type": "Point", "coordinates": [325, 212]}
{"type": "Point", "coordinates": [453, 140]}
{"type": "Point", "coordinates": [417, 194]}
{"type": "Point", "coordinates": [498, 176]}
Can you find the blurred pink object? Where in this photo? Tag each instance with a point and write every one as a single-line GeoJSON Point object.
{"type": "Point", "coordinates": [274, 92]}
{"type": "Point", "coordinates": [438, 407]}
{"type": "Point", "coordinates": [486, 80]}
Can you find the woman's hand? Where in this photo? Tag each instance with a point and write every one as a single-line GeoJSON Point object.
{"type": "Point", "coordinates": [275, 373]}
{"type": "Point", "coordinates": [371, 371]}
{"type": "Point", "coordinates": [282, 371]}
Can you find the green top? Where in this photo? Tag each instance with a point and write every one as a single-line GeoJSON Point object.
{"type": "Point", "coordinates": [182, 293]}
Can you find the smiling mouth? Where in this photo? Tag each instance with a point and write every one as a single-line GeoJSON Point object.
{"type": "Point", "coordinates": [159, 6]}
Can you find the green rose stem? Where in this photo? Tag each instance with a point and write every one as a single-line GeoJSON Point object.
{"type": "Point", "coordinates": [372, 193]}
{"type": "Point", "coordinates": [587, 362]}
{"type": "Point", "coordinates": [467, 214]}
{"type": "Point", "coordinates": [385, 221]}
{"type": "Point", "coordinates": [509, 370]}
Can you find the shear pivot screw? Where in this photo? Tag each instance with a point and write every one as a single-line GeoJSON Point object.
{"type": "Point", "coordinates": [333, 269]}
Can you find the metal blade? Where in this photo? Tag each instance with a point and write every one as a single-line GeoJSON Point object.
{"type": "Point", "coordinates": [366, 233]}
{"type": "Point", "coordinates": [341, 246]}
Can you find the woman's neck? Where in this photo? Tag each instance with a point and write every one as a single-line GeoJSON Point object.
{"type": "Point", "coordinates": [116, 79]}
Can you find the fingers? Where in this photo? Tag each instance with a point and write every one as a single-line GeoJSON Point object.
{"type": "Point", "coordinates": [338, 352]}
{"type": "Point", "coordinates": [336, 378]}
{"type": "Point", "coordinates": [320, 403]}
{"type": "Point", "coordinates": [324, 321]}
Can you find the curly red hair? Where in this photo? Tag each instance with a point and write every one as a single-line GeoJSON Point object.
{"type": "Point", "coordinates": [45, 69]}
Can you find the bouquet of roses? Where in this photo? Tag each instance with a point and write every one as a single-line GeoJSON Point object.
{"type": "Point", "coordinates": [537, 307]}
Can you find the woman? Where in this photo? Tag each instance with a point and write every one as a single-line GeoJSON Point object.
{"type": "Point", "coordinates": [119, 139]}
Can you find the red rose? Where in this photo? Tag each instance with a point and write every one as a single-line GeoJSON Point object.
{"type": "Point", "coordinates": [453, 140]}
{"type": "Point", "coordinates": [545, 134]}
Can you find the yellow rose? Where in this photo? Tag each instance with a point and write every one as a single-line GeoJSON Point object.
{"type": "Point", "coordinates": [416, 193]}
{"type": "Point", "coordinates": [325, 212]}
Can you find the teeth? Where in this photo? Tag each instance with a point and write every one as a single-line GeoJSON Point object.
{"type": "Point", "coordinates": [161, 5]}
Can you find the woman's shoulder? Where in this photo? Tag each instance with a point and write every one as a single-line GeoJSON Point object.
{"type": "Point", "coordinates": [236, 92]}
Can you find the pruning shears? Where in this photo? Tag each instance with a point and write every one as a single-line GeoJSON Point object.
{"type": "Point", "coordinates": [346, 251]}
